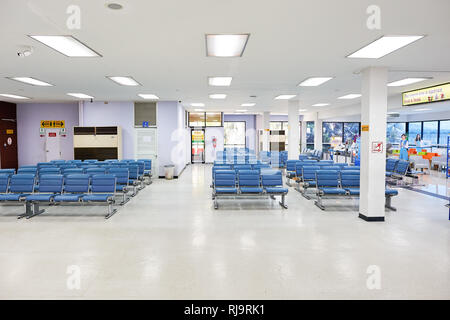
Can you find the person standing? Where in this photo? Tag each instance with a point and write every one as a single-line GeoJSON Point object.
{"type": "Point", "coordinates": [404, 148]}
{"type": "Point", "coordinates": [419, 143]}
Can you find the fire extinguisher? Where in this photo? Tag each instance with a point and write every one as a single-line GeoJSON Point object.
{"type": "Point", "coordinates": [214, 142]}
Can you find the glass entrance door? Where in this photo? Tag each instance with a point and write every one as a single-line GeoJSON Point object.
{"type": "Point", "coordinates": [198, 146]}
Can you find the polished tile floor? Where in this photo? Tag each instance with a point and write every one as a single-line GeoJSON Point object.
{"type": "Point", "coordinates": [169, 243]}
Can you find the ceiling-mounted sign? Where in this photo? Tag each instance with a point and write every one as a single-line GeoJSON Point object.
{"type": "Point", "coordinates": [53, 124]}
{"type": "Point", "coordinates": [427, 95]}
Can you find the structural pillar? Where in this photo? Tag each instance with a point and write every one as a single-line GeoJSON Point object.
{"type": "Point", "coordinates": [294, 130]}
{"type": "Point", "coordinates": [266, 131]}
{"type": "Point", "coordinates": [303, 135]}
{"type": "Point", "coordinates": [317, 132]}
{"type": "Point", "coordinates": [373, 143]}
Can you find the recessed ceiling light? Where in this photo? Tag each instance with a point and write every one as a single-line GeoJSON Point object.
{"type": "Point", "coordinates": [226, 45]}
{"type": "Point", "coordinates": [67, 45]}
{"type": "Point", "coordinates": [217, 96]}
{"type": "Point", "coordinates": [302, 110]}
{"type": "Point", "coordinates": [80, 95]}
{"type": "Point", "coordinates": [383, 46]}
{"type": "Point", "coordinates": [199, 110]}
{"type": "Point", "coordinates": [242, 110]}
{"type": "Point", "coordinates": [406, 81]}
{"type": "Point", "coordinates": [148, 96]}
{"type": "Point", "coordinates": [197, 104]}
{"type": "Point", "coordinates": [220, 81]}
{"type": "Point", "coordinates": [32, 81]}
{"type": "Point", "coordinates": [314, 81]}
{"type": "Point", "coordinates": [320, 104]}
{"type": "Point", "coordinates": [350, 96]}
{"type": "Point", "coordinates": [285, 96]}
{"type": "Point", "coordinates": [114, 6]}
{"type": "Point", "coordinates": [423, 109]}
{"type": "Point", "coordinates": [13, 96]}
{"type": "Point", "coordinates": [248, 104]}
{"type": "Point", "coordinates": [124, 81]}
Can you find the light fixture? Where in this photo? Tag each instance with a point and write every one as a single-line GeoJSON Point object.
{"type": "Point", "coordinates": [148, 96]}
{"type": "Point", "coordinates": [242, 110]}
{"type": "Point", "coordinates": [350, 96]}
{"type": "Point", "coordinates": [220, 81]}
{"type": "Point", "coordinates": [406, 81]}
{"type": "Point", "coordinates": [423, 109]}
{"type": "Point", "coordinates": [124, 81]}
{"type": "Point", "coordinates": [32, 81]}
{"type": "Point", "coordinates": [197, 104]}
{"type": "Point", "coordinates": [383, 46]}
{"type": "Point", "coordinates": [13, 96]}
{"type": "Point", "coordinates": [314, 81]}
{"type": "Point", "coordinates": [248, 104]}
{"type": "Point", "coordinates": [302, 110]}
{"type": "Point", "coordinates": [114, 6]}
{"type": "Point", "coordinates": [217, 96]}
{"type": "Point", "coordinates": [320, 104]}
{"type": "Point", "coordinates": [226, 45]}
{"type": "Point", "coordinates": [285, 96]}
{"type": "Point", "coordinates": [199, 110]}
{"type": "Point", "coordinates": [67, 45]}
{"type": "Point", "coordinates": [80, 95]}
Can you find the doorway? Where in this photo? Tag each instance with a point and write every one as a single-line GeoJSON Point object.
{"type": "Point", "coordinates": [198, 146]}
{"type": "Point", "coordinates": [8, 136]}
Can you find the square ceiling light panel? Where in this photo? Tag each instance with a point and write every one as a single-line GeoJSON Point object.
{"type": "Point", "coordinates": [314, 81]}
{"type": "Point", "coordinates": [67, 45]}
{"type": "Point", "coordinates": [226, 45]}
{"type": "Point", "coordinates": [219, 81]}
{"type": "Point", "coordinates": [124, 81]}
{"type": "Point", "coordinates": [383, 46]}
{"type": "Point", "coordinates": [31, 81]}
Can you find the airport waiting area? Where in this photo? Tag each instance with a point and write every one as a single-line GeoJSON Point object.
{"type": "Point", "coordinates": [204, 150]}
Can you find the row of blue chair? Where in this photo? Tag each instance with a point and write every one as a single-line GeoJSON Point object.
{"type": "Point", "coordinates": [56, 189]}
{"type": "Point", "coordinates": [333, 183]}
{"type": "Point", "coordinates": [247, 183]}
{"type": "Point", "coordinates": [396, 167]}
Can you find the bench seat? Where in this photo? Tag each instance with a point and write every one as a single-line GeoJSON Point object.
{"type": "Point", "coordinates": [97, 197]}
{"type": "Point", "coordinates": [68, 198]}
{"type": "Point", "coordinates": [332, 190]}
{"type": "Point", "coordinates": [40, 197]}
{"type": "Point", "coordinates": [225, 190]}
{"type": "Point", "coordinates": [12, 197]}
{"type": "Point", "coordinates": [251, 189]}
{"type": "Point", "coordinates": [276, 190]}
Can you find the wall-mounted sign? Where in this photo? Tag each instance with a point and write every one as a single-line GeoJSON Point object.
{"type": "Point", "coordinates": [41, 132]}
{"type": "Point", "coordinates": [365, 127]}
{"type": "Point", "coordinates": [9, 141]}
{"type": "Point", "coordinates": [145, 124]}
{"type": "Point", "coordinates": [427, 95]}
{"type": "Point", "coordinates": [52, 134]}
{"type": "Point", "coordinates": [9, 131]}
{"type": "Point", "coordinates": [377, 147]}
{"type": "Point", "coordinates": [53, 124]}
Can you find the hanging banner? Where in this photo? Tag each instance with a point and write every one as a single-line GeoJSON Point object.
{"type": "Point", "coordinates": [53, 124]}
{"type": "Point", "coordinates": [427, 95]}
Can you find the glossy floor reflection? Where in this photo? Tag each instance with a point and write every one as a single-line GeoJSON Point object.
{"type": "Point", "coordinates": [169, 243]}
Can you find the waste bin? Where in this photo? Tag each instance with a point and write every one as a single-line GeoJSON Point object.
{"type": "Point", "coordinates": [168, 171]}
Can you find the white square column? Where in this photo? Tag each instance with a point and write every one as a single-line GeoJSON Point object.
{"type": "Point", "coordinates": [294, 130]}
{"type": "Point", "coordinates": [317, 132]}
{"type": "Point", "coordinates": [303, 135]}
{"type": "Point", "coordinates": [266, 131]}
{"type": "Point", "coordinates": [373, 132]}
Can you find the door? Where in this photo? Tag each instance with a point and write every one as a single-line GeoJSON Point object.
{"type": "Point", "coordinates": [198, 146]}
{"type": "Point", "coordinates": [8, 144]}
{"type": "Point", "coordinates": [52, 145]}
{"type": "Point", "coordinates": [147, 146]}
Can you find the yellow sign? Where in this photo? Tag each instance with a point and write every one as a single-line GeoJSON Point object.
{"type": "Point", "coordinates": [427, 95]}
{"type": "Point", "coordinates": [53, 124]}
{"type": "Point", "coordinates": [365, 127]}
{"type": "Point", "coordinates": [9, 131]}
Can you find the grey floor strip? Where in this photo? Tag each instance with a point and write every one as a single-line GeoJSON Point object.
{"type": "Point", "coordinates": [429, 193]}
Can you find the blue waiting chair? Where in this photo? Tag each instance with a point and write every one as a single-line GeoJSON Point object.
{"type": "Point", "coordinates": [327, 184]}
{"type": "Point", "coordinates": [122, 179]}
{"type": "Point", "coordinates": [224, 184]}
{"type": "Point", "coordinates": [308, 179]}
{"type": "Point", "coordinates": [75, 186]}
{"type": "Point", "coordinates": [249, 182]}
{"type": "Point", "coordinates": [273, 185]}
{"type": "Point", "coordinates": [8, 171]}
{"type": "Point", "coordinates": [103, 190]}
{"type": "Point", "coordinates": [20, 186]}
{"type": "Point", "coordinates": [50, 186]}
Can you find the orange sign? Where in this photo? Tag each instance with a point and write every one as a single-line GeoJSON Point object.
{"type": "Point", "coordinates": [9, 131]}
{"type": "Point", "coordinates": [365, 127]}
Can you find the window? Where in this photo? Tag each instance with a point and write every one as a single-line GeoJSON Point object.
{"type": "Point", "coordinates": [310, 134]}
{"type": "Point", "coordinates": [430, 132]}
{"type": "Point", "coordinates": [444, 132]}
{"type": "Point", "coordinates": [331, 130]}
{"type": "Point", "coordinates": [213, 119]}
{"type": "Point", "coordinates": [351, 130]}
{"type": "Point", "coordinates": [394, 131]}
{"type": "Point", "coordinates": [197, 119]}
{"type": "Point", "coordinates": [276, 125]}
{"type": "Point", "coordinates": [234, 134]}
{"type": "Point", "coordinates": [414, 128]}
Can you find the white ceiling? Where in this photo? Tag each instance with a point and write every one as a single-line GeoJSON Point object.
{"type": "Point", "coordinates": [162, 45]}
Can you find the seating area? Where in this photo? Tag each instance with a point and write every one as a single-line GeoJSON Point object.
{"type": "Point", "coordinates": [247, 183]}
{"type": "Point", "coordinates": [74, 182]}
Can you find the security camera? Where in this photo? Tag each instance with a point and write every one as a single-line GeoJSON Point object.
{"type": "Point", "coordinates": [25, 52]}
